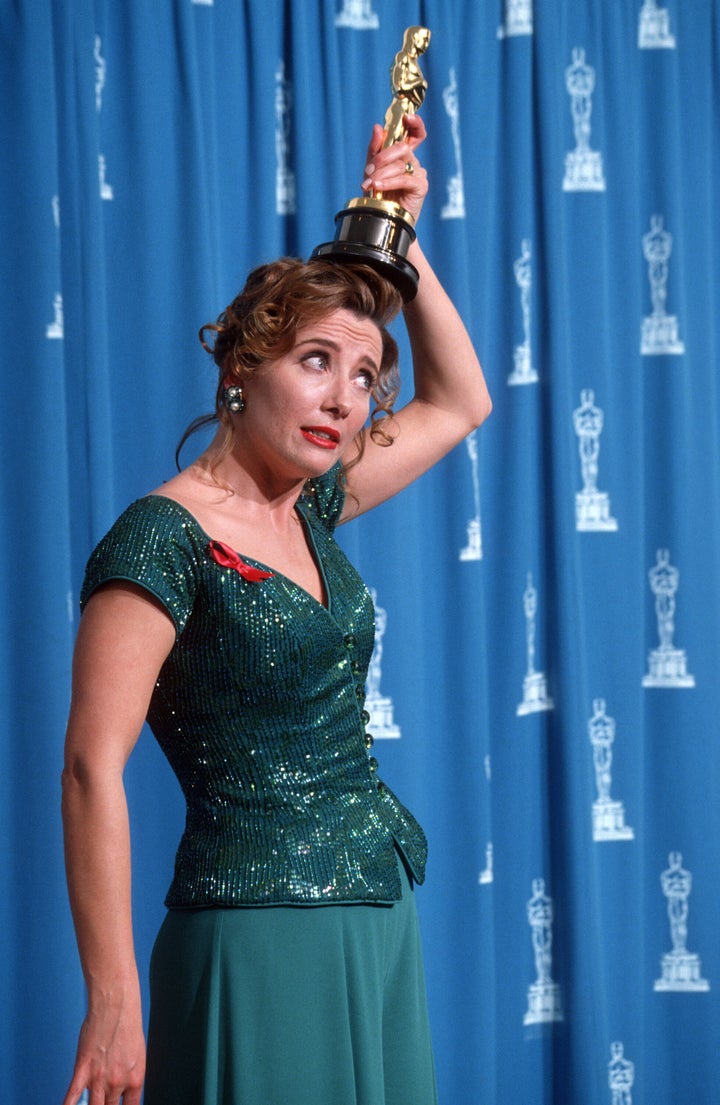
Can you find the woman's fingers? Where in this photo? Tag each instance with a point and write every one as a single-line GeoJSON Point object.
{"type": "Point", "coordinates": [415, 130]}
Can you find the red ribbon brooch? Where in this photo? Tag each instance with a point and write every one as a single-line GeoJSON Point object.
{"type": "Point", "coordinates": [226, 557]}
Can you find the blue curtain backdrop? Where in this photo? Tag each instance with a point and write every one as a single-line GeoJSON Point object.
{"type": "Point", "coordinates": [548, 624]}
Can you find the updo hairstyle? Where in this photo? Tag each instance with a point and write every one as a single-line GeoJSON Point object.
{"type": "Point", "coordinates": [261, 323]}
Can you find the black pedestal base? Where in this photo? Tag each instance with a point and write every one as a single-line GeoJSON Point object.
{"type": "Point", "coordinates": [377, 233]}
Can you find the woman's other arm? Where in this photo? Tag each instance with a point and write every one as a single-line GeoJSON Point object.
{"type": "Point", "coordinates": [123, 640]}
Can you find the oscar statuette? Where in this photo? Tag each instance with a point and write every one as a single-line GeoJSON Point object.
{"type": "Point", "coordinates": [371, 229]}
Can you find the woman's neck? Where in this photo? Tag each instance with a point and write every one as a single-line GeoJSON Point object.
{"type": "Point", "coordinates": [255, 488]}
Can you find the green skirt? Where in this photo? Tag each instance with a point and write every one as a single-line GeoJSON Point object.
{"type": "Point", "coordinates": [290, 1005]}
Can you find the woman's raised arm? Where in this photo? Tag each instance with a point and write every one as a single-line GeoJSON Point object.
{"type": "Point", "coordinates": [451, 397]}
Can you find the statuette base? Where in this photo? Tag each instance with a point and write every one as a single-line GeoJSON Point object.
{"type": "Point", "coordinates": [660, 336]}
{"type": "Point", "coordinates": [535, 696]}
{"type": "Point", "coordinates": [523, 371]}
{"type": "Point", "coordinates": [381, 723]}
{"type": "Point", "coordinates": [681, 971]}
{"type": "Point", "coordinates": [378, 233]}
{"type": "Point", "coordinates": [668, 668]}
{"type": "Point", "coordinates": [592, 512]}
{"type": "Point", "coordinates": [654, 29]}
{"type": "Point", "coordinates": [473, 549]}
{"type": "Point", "coordinates": [543, 1003]}
{"type": "Point", "coordinates": [583, 172]}
{"type": "Point", "coordinates": [609, 822]}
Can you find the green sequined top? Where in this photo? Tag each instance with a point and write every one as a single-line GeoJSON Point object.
{"type": "Point", "coordinates": [259, 710]}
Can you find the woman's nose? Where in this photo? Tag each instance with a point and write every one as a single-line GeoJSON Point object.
{"type": "Point", "coordinates": [339, 397]}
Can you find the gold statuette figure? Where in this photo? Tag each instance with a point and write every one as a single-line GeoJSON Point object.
{"type": "Point", "coordinates": [407, 83]}
{"type": "Point", "coordinates": [371, 229]}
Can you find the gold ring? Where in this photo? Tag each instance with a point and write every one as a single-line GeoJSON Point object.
{"type": "Point", "coordinates": [409, 168]}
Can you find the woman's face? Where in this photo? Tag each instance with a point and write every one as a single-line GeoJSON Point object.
{"type": "Point", "coordinates": [304, 410]}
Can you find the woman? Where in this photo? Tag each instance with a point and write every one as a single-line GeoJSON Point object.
{"type": "Point", "coordinates": [287, 970]}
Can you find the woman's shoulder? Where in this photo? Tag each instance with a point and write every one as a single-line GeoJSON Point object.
{"type": "Point", "coordinates": [159, 513]}
{"type": "Point", "coordinates": [198, 495]}
{"type": "Point", "coordinates": [184, 501]}
{"type": "Point", "coordinates": [324, 496]}
{"type": "Point", "coordinates": [157, 544]}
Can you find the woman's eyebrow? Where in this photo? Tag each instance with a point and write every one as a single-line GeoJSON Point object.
{"type": "Point", "coordinates": [335, 346]}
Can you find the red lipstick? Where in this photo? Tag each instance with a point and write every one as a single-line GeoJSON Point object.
{"type": "Point", "coordinates": [324, 436]}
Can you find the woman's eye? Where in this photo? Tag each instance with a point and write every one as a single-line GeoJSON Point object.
{"type": "Point", "coordinates": [366, 380]}
{"type": "Point", "coordinates": [317, 361]}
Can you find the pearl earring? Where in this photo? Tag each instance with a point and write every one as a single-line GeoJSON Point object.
{"type": "Point", "coordinates": [233, 399]}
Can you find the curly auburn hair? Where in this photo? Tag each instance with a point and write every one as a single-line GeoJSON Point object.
{"type": "Point", "coordinates": [279, 298]}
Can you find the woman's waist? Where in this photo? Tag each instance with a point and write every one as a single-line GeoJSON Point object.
{"type": "Point", "coordinates": [332, 851]}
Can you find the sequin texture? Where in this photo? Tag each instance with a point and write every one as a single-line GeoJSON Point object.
{"type": "Point", "coordinates": [259, 709]}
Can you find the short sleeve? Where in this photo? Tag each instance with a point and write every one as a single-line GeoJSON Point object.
{"type": "Point", "coordinates": [325, 496]}
{"type": "Point", "coordinates": [156, 544]}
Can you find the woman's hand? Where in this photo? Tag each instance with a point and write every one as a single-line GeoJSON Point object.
{"type": "Point", "coordinates": [110, 1061]}
{"type": "Point", "coordinates": [386, 170]}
